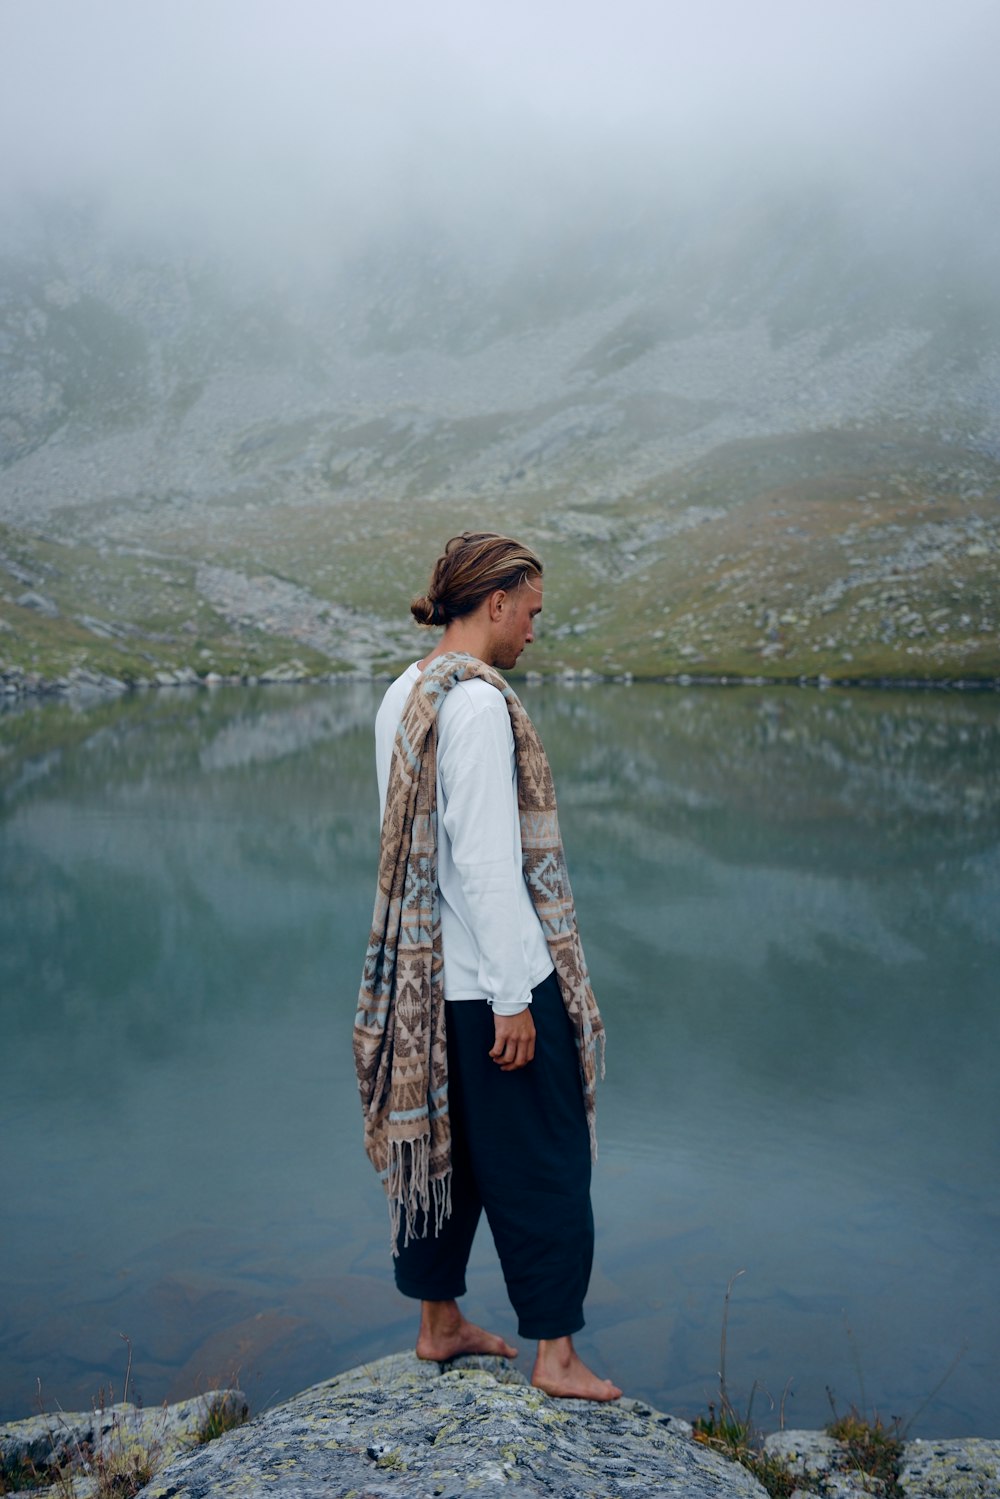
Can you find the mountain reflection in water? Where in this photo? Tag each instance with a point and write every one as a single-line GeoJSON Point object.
{"type": "Point", "coordinates": [789, 904]}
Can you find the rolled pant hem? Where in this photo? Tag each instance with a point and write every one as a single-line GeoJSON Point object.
{"type": "Point", "coordinates": [550, 1330]}
{"type": "Point", "coordinates": [433, 1293]}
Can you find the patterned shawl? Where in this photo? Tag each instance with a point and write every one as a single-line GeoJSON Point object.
{"type": "Point", "coordinates": [400, 1050]}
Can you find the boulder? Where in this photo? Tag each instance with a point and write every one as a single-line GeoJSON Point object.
{"type": "Point", "coordinates": [82, 1442]}
{"type": "Point", "coordinates": [400, 1427]}
{"type": "Point", "coordinates": [40, 603]}
{"type": "Point", "coordinates": [968, 1468]}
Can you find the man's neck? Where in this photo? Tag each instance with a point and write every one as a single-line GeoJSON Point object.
{"type": "Point", "coordinates": [461, 638]}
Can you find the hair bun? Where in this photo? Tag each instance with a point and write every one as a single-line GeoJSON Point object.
{"type": "Point", "coordinates": [427, 611]}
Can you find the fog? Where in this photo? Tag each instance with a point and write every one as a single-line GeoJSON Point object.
{"type": "Point", "coordinates": [297, 132]}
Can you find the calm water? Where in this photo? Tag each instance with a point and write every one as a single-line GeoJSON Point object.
{"type": "Point", "coordinates": [789, 902]}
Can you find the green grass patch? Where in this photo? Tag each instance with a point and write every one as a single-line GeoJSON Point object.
{"type": "Point", "coordinates": [872, 1448]}
{"type": "Point", "coordinates": [222, 1415]}
{"type": "Point", "coordinates": [844, 555]}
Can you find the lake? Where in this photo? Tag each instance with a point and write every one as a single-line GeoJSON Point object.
{"type": "Point", "coordinates": [789, 902]}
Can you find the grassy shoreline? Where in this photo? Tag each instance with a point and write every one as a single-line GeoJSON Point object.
{"type": "Point", "coordinates": [16, 684]}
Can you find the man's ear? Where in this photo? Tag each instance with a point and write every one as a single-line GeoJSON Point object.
{"type": "Point", "coordinates": [496, 600]}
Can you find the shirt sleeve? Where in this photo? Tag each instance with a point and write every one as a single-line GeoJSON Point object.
{"type": "Point", "coordinates": [476, 770]}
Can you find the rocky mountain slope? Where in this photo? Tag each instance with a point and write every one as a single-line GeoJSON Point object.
{"type": "Point", "coordinates": [756, 441]}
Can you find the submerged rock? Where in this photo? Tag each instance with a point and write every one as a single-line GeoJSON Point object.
{"type": "Point", "coordinates": [400, 1427]}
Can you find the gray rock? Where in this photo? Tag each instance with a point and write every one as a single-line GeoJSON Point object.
{"type": "Point", "coordinates": [400, 1427]}
{"type": "Point", "coordinates": [38, 602]}
{"type": "Point", "coordinates": [99, 627]}
{"type": "Point", "coordinates": [80, 1439]}
{"type": "Point", "coordinates": [965, 1469]}
{"type": "Point", "coordinates": [287, 671]}
{"type": "Point", "coordinates": [819, 1461]}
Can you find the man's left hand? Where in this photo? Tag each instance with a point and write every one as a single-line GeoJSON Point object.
{"type": "Point", "coordinates": [514, 1045]}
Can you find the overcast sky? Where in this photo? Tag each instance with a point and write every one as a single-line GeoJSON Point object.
{"type": "Point", "coordinates": [254, 118]}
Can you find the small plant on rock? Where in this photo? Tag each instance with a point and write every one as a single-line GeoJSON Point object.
{"type": "Point", "coordinates": [872, 1447]}
{"type": "Point", "coordinates": [16, 1475]}
{"type": "Point", "coordinates": [735, 1436]}
{"type": "Point", "coordinates": [222, 1414]}
{"type": "Point", "coordinates": [125, 1469]}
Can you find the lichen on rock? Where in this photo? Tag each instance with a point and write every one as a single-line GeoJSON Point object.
{"type": "Point", "coordinates": [401, 1427]}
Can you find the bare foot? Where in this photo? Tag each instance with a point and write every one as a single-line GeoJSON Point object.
{"type": "Point", "coordinates": [445, 1333]}
{"type": "Point", "coordinates": [559, 1370]}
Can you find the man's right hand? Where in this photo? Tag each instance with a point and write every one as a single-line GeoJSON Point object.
{"type": "Point", "coordinates": [514, 1045]}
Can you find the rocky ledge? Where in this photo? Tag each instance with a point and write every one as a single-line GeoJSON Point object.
{"type": "Point", "coordinates": [402, 1429]}
{"type": "Point", "coordinates": [62, 1455]}
{"type": "Point", "coordinates": [399, 1427]}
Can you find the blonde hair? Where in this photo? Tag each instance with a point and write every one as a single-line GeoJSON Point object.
{"type": "Point", "coordinates": [471, 567]}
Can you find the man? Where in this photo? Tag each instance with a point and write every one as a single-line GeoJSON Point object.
{"type": "Point", "coordinates": [477, 1029]}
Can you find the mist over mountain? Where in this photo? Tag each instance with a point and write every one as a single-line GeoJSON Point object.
{"type": "Point", "coordinates": [710, 309]}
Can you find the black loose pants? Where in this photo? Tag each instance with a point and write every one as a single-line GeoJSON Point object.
{"type": "Point", "coordinates": [521, 1151]}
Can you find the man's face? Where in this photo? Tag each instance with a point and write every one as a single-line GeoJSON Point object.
{"type": "Point", "coordinates": [515, 627]}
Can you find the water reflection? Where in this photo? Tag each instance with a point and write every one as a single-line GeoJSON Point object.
{"type": "Point", "coordinates": [788, 901]}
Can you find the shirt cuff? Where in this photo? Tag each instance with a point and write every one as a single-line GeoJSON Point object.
{"type": "Point", "coordinates": [509, 1006]}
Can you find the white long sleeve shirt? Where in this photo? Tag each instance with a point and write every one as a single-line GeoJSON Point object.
{"type": "Point", "coordinates": [492, 941]}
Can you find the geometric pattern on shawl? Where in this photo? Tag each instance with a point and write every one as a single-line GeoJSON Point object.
{"type": "Point", "coordinates": [400, 1048]}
